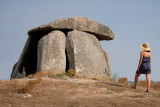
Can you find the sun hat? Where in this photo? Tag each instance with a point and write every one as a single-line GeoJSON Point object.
{"type": "Point", "coordinates": [145, 47]}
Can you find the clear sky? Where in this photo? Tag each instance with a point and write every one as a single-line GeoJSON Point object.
{"type": "Point", "coordinates": [132, 21]}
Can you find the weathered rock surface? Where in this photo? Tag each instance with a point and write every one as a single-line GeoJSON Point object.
{"type": "Point", "coordinates": [51, 52]}
{"type": "Point", "coordinates": [85, 54]}
{"type": "Point", "coordinates": [108, 64]}
{"type": "Point", "coordinates": [101, 31]}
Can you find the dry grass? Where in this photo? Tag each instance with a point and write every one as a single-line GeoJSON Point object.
{"type": "Point", "coordinates": [14, 85]}
{"type": "Point", "coordinates": [143, 83]}
{"type": "Point", "coordinates": [53, 74]}
{"type": "Point", "coordinates": [60, 75]}
{"type": "Point", "coordinates": [152, 83]}
{"type": "Point", "coordinates": [43, 73]}
{"type": "Point", "coordinates": [71, 72]}
{"type": "Point", "coordinates": [123, 80]}
{"type": "Point", "coordinates": [10, 86]}
{"type": "Point", "coordinates": [30, 85]}
{"type": "Point", "coordinates": [73, 92]}
{"type": "Point", "coordinates": [31, 76]}
{"type": "Point", "coordinates": [157, 86]}
{"type": "Point", "coordinates": [23, 71]}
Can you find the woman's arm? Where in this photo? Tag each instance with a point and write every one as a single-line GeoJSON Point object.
{"type": "Point", "coordinates": [150, 58]}
{"type": "Point", "coordinates": [140, 60]}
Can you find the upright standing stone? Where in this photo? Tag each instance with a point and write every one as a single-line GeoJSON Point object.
{"type": "Point", "coordinates": [108, 64]}
{"type": "Point", "coordinates": [85, 54]}
{"type": "Point", "coordinates": [51, 52]}
{"type": "Point", "coordinates": [17, 69]}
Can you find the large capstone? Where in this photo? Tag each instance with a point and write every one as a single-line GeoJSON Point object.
{"type": "Point", "coordinates": [85, 54]}
{"type": "Point", "coordinates": [101, 31]}
{"type": "Point", "coordinates": [51, 52]}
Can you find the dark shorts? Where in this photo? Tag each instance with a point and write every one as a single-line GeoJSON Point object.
{"type": "Point", "coordinates": [143, 72]}
{"type": "Point", "coordinates": [145, 68]}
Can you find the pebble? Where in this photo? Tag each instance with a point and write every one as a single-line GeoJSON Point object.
{"type": "Point", "coordinates": [27, 96]}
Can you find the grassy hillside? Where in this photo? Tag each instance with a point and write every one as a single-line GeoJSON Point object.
{"type": "Point", "coordinates": [59, 90]}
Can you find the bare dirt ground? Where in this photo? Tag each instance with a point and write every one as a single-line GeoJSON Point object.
{"type": "Point", "coordinates": [75, 92]}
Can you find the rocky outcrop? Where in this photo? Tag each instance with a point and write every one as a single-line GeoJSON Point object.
{"type": "Point", "coordinates": [51, 52]}
{"type": "Point", "coordinates": [85, 54]}
{"type": "Point", "coordinates": [101, 31]}
{"type": "Point", "coordinates": [46, 48]}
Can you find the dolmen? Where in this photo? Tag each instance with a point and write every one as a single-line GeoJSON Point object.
{"type": "Point", "coordinates": [64, 44]}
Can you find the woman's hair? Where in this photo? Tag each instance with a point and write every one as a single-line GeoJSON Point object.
{"type": "Point", "coordinates": [147, 51]}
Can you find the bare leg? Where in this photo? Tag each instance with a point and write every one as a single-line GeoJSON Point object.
{"type": "Point", "coordinates": [136, 80]}
{"type": "Point", "coordinates": [148, 82]}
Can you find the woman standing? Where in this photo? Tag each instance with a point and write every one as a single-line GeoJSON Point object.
{"type": "Point", "coordinates": [144, 66]}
